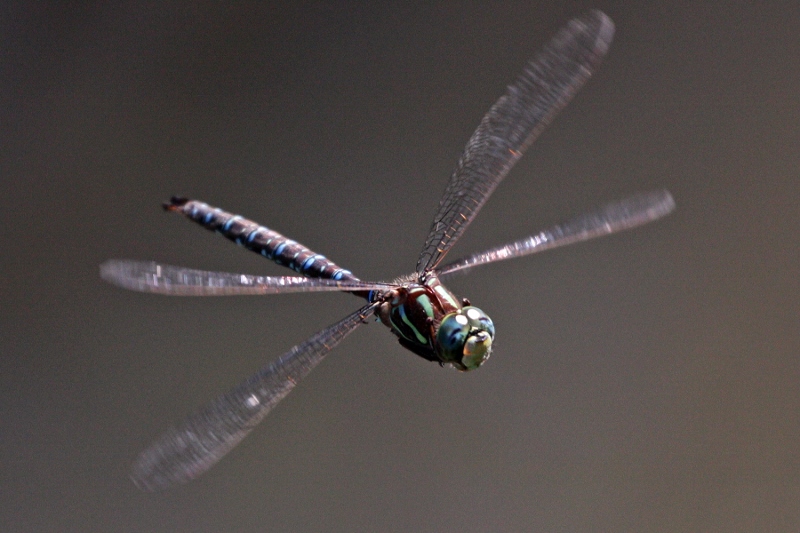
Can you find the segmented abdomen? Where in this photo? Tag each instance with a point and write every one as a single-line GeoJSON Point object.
{"type": "Point", "coordinates": [260, 239]}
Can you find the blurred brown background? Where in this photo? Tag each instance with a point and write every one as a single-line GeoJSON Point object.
{"type": "Point", "coordinates": [642, 382]}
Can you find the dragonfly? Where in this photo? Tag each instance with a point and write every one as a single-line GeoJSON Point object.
{"type": "Point", "coordinates": [426, 317]}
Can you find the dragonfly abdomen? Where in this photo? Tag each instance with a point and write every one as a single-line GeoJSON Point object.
{"type": "Point", "coordinates": [260, 239]}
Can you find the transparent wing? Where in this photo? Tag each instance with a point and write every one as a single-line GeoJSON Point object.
{"type": "Point", "coordinates": [610, 218]}
{"type": "Point", "coordinates": [548, 82]}
{"type": "Point", "coordinates": [147, 276]}
{"type": "Point", "coordinates": [187, 450]}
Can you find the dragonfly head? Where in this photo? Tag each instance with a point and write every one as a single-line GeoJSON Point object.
{"type": "Point", "coordinates": [465, 338]}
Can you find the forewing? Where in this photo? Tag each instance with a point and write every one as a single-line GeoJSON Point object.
{"type": "Point", "coordinates": [610, 218]}
{"type": "Point", "coordinates": [548, 82]}
{"type": "Point", "coordinates": [148, 276]}
{"type": "Point", "coordinates": [187, 450]}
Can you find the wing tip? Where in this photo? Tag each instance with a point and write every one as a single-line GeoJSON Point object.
{"type": "Point", "coordinates": [145, 485]}
{"type": "Point", "coordinates": [109, 271]}
{"type": "Point", "coordinates": [604, 25]}
{"type": "Point", "coordinates": [126, 273]}
{"type": "Point", "coordinates": [148, 472]}
{"type": "Point", "coordinates": [664, 203]}
{"type": "Point", "coordinates": [669, 201]}
{"type": "Point", "coordinates": [147, 482]}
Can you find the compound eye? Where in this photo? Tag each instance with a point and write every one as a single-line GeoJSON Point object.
{"type": "Point", "coordinates": [479, 320]}
{"type": "Point", "coordinates": [477, 349]}
{"type": "Point", "coordinates": [452, 335]}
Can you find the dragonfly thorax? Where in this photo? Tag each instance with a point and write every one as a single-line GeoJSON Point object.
{"type": "Point", "coordinates": [433, 323]}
